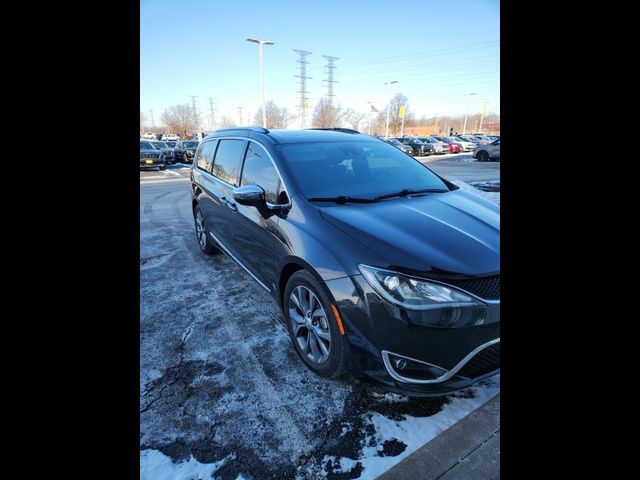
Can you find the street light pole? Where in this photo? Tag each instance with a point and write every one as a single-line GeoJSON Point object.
{"type": "Point", "coordinates": [388, 105]}
{"type": "Point", "coordinates": [260, 44]}
{"type": "Point", "coordinates": [484, 109]}
{"type": "Point", "coordinates": [464, 127]}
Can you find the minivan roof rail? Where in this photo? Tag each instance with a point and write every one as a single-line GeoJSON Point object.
{"type": "Point", "coordinates": [252, 129]}
{"type": "Point", "coordinates": [336, 129]}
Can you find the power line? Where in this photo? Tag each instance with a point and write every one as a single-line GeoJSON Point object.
{"type": "Point", "coordinates": [302, 62]}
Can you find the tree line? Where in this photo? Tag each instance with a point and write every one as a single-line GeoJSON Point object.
{"type": "Point", "coordinates": [182, 119]}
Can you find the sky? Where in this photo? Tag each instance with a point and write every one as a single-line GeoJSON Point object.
{"type": "Point", "coordinates": [438, 51]}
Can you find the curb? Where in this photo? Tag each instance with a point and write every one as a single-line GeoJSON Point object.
{"type": "Point", "coordinates": [469, 449]}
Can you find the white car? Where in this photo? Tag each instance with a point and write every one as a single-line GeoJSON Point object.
{"type": "Point", "coordinates": [170, 137]}
{"type": "Point", "coordinates": [466, 146]}
{"type": "Point", "coordinates": [149, 136]}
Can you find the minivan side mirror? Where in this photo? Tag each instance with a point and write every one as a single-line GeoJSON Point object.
{"type": "Point", "coordinates": [251, 195]}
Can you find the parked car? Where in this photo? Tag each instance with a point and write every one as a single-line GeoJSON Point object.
{"type": "Point", "coordinates": [150, 157]}
{"type": "Point", "coordinates": [454, 147]}
{"type": "Point", "coordinates": [171, 144]}
{"type": "Point", "coordinates": [487, 152]}
{"type": "Point", "coordinates": [393, 141]}
{"type": "Point", "coordinates": [466, 145]}
{"type": "Point", "coordinates": [470, 139]}
{"type": "Point", "coordinates": [170, 137]}
{"type": "Point", "coordinates": [149, 136]}
{"type": "Point", "coordinates": [380, 266]}
{"type": "Point", "coordinates": [185, 149]}
{"type": "Point", "coordinates": [167, 151]}
{"type": "Point", "coordinates": [419, 148]}
{"type": "Point", "coordinates": [438, 146]}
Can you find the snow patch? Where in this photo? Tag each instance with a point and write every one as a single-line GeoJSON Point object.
{"type": "Point", "coordinates": [414, 431]}
{"type": "Point", "coordinates": [154, 465]}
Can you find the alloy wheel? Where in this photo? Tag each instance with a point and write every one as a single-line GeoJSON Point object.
{"type": "Point", "coordinates": [201, 231]}
{"type": "Point", "coordinates": [309, 324]}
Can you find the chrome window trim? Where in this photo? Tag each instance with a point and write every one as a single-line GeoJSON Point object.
{"type": "Point", "coordinates": [442, 378]}
{"type": "Point", "coordinates": [239, 262]}
{"type": "Point", "coordinates": [248, 139]}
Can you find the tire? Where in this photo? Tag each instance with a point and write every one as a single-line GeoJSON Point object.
{"type": "Point", "coordinates": [483, 156]}
{"type": "Point", "coordinates": [202, 233]}
{"type": "Point", "coordinates": [162, 167]}
{"type": "Point", "coordinates": [329, 362]}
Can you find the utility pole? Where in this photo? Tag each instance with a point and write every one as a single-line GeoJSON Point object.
{"type": "Point", "coordinates": [152, 122]}
{"type": "Point", "coordinates": [388, 105]}
{"type": "Point", "coordinates": [330, 81]}
{"type": "Point", "coordinates": [212, 111]}
{"type": "Point", "coordinates": [302, 62]}
{"type": "Point", "coordinates": [195, 111]}
{"type": "Point", "coordinates": [484, 112]}
{"type": "Point", "coordinates": [240, 114]}
{"type": "Point", "coordinates": [435, 125]}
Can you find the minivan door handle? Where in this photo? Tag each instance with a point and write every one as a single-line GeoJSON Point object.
{"type": "Point", "coordinates": [229, 204]}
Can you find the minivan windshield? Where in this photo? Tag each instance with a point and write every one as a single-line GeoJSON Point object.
{"type": "Point", "coordinates": [147, 146]}
{"type": "Point", "coordinates": [160, 145]}
{"type": "Point", "coordinates": [355, 169]}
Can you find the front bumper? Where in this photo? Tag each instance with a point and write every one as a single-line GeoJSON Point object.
{"type": "Point", "coordinates": [155, 163]}
{"type": "Point", "coordinates": [379, 332]}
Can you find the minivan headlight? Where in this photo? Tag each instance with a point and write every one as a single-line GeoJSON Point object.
{"type": "Point", "coordinates": [415, 293]}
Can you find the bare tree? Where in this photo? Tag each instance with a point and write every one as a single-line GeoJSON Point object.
{"type": "Point", "coordinates": [327, 115]}
{"type": "Point", "coordinates": [227, 122]}
{"type": "Point", "coordinates": [276, 117]}
{"type": "Point", "coordinates": [395, 121]}
{"type": "Point", "coordinates": [353, 117]}
{"type": "Point", "coordinates": [180, 119]}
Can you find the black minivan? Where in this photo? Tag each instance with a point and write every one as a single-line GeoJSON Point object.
{"type": "Point", "coordinates": [381, 267]}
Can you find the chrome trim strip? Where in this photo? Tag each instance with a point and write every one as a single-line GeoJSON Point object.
{"type": "Point", "coordinates": [239, 262]}
{"type": "Point", "coordinates": [446, 376]}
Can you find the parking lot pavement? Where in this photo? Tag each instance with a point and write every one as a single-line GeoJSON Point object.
{"type": "Point", "coordinates": [221, 388]}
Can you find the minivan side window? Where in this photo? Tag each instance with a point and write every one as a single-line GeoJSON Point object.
{"type": "Point", "coordinates": [226, 165]}
{"type": "Point", "coordinates": [204, 155]}
{"type": "Point", "coordinates": [259, 170]}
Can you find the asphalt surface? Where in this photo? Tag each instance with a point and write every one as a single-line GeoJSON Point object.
{"type": "Point", "coordinates": [218, 374]}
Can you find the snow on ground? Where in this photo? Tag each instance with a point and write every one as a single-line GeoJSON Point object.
{"type": "Point", "coordinates": [155, 465]}
{"type": "Point", "coordinates": [413, 431]}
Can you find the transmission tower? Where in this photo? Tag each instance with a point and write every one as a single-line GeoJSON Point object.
{"type": "Point", "coordinates": [195, 111]}
{"type": "Point", "coordinates": [303, 84]}
{"type": "Point", "coordinates": [330, 81]}
{"type": "Point", "coordinates": [213, 112]}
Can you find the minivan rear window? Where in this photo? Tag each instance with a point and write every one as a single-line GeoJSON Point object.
{"type": "Point", "coordinates": [226, 165]}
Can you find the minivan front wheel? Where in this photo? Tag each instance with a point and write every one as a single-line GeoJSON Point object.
{"type": "Point", "coordinates": [202, 233]}
{"type": "Point", "coordinates": [313, 326]}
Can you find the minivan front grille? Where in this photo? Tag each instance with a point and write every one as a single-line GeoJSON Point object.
{"type": "Point", "coordinates": [485, 361]}
{"type": "Point", "coordinates": [487, 287]}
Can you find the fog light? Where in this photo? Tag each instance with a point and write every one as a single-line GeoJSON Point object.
{"type": "Point", "coordinates": [391, 282]}
{"type": "Point", "coordinates": [401, 363]}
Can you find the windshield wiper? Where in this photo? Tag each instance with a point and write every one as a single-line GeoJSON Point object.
{"type": "Point", "coordinates": [342, 199]}
{"type": "Point", "coordinates": [409, 191]}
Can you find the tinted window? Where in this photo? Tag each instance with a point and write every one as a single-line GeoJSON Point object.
{"type": "Point", "coordinates": [259, 170]}
{"type": "Point", "coordinates": [226, 165]}
{"type": "Point", "coordinates": [204, 155]}
{"type": "Point", "coordinates": [146, 146]}
{"type": "Point", "coordinates": [355, 168]}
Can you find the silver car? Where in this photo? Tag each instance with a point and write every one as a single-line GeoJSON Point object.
{"type": "Point", "coordinates": [484, 153]}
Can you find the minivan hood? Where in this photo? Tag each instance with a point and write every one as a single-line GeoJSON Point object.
{"type": "Point", "coordinates": [456, 232]}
